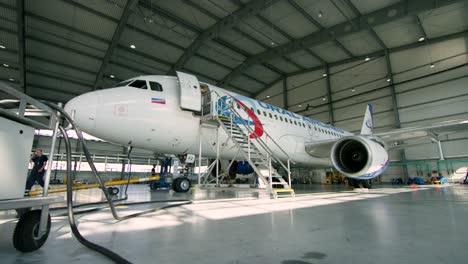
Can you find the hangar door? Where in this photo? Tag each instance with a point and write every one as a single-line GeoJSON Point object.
{"type": "Point", "coordinates": [190, 95]}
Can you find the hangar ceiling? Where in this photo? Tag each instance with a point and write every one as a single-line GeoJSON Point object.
{"type": "Point", "coordinates": [57, 49]}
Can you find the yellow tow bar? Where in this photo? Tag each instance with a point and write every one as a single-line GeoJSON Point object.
{"type": "Point", "coordinates": [96, 185]}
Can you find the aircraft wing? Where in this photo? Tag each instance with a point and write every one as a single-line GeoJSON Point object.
{"type": "Point", "coordinates": [320, 149]}
{"type": "Point", "coordinates": [432, 131]}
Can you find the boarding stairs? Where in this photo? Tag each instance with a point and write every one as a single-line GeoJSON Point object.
{"type": "Point", "coordinates": [255, 150]}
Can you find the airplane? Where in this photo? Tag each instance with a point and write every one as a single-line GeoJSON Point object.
{"type": "Point", "coordinates": [164, 114]}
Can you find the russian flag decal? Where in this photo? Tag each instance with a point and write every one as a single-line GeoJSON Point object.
{"type": "Point", "coordinates": [158, 100]}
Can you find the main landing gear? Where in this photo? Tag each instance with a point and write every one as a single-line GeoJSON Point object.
{"type": "Point", "coordinates": [360, 183]}
{"type": "Point", "coordinates": [181, 184]}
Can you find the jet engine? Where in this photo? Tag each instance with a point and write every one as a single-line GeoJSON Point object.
{"type": "Point", "coordinates": [359, 157]}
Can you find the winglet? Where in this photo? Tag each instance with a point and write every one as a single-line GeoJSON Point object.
{"type": "Point", "coordinates": [368, 123]}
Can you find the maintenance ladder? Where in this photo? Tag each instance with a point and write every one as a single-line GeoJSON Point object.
{"type": "Point", "coordinates": [252, 148]}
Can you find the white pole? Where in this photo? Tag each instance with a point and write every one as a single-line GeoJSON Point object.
{"type": "Point", "coordinates": [269, 172]}
{"type": "Point", "coordinates": [289, 174]}
{"type": "Point", "coordinates": [441, 153]}
{"type": "Point", "coordinates": [51, 154]}
{"type": "Point", "coordinates": [217, 157]}
{"type": "Point", "coordinates": [45, 208]}
{"type": "Point", "coordinates": [199, 157]}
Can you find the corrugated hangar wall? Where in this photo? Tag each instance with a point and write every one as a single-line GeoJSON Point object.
{"type": "Point", "coordinates": [430, 84]}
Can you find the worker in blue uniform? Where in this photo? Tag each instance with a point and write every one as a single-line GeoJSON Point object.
{"type": "Point", "coordinates": [38, 170]}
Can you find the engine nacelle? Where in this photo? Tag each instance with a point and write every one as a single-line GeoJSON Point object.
{"type": "Point", "coordinates": [359, 157]}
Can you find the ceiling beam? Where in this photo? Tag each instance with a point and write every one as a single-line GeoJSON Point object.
{"type": "Point", "coordinates": [304, 13]}
{"type": "Point", "coordinates": [420, 26]}
{"type": "Point", "coordinates": [115, 40]}
{"type": "Point", "coordinates": [195, 29]}
{"type": "Point", "coordinates": [380, 53]}
{"type": "Point", "coordinates": [269, 85]}
{"type": "Point", "coordinates": [396, 113]}
{"type": "Point", "coordinates": [329, 96]}
{"type": "Point", "coordinates": [378, 17]}
{"type": "Point", "coordinates": [20, 23]}
{"type": "Point", "coordinates": [371, 30]}
{"type": "Point", "coordinates": [226, 23]}
{"type": "Point", "coordinates": [289, 37]}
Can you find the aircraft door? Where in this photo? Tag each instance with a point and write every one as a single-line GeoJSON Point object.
{"type": "Point", "coordinates": [190, 95]}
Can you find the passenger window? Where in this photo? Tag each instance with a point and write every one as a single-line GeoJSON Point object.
{"type": "Point", "coordinates": [139, 84]}
{"type": "Point", "coordinates": [156, 86]}
{"type": "Point", "coordinates": [276, 117]}
{"type": "Point", "coordinates": [281, 118]}
{"type": "Point", "coordinates": [258, 112]}
{"type": "Point", "coordinates": [295, 122]}
{"type": "Point", "coordinates": [264, 113]}
{"type": "Point", "coordinates": [271, 116]}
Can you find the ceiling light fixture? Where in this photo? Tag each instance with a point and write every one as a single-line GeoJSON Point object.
{"type": "Point", "coordinates": [388, 80]}
{"type": "Point", "coordinates": [112, 76]}
{"type": "Point", "coordinates": [300, 105]}
{"type": "Point", "coordinates": [11, 79]}
{"type": "Point", "coordinates": [323, 99]}
{"type": "Point", "coordinates": [352, 90]}
{"type": "Point", "coordinates": [6, 65]}
{"type": "Point", "coordinates": [267, 96]}
{"type": "Point", "coordinates": [2, 47]}
{"type": "Point", "coordinates": [367, 59]}
{"type": "Point", "coordinates": [132, 46]}
{"type": "Point", "coordinates": [432, 65]}
{"type": "Point", "coordinates": [324, 75]}
{"type": "Point", "coordinates": [421, 39]}
{"type": "Point", "coordinates": [320, 14]}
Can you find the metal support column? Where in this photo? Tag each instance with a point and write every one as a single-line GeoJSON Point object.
{"type": "Point", "coordinates": [21, 44]}
{"type": "Point", "coordinates": [285, 93]}
{"type": "Point", "coordinates": [217, 157]}
{"type": "Point", "coordinates": [122, 171]}
{"type": "Point", "coordinates": [441, 153]}
{"type": "Point", "coordinates": [199, 157]}
{"type": "Point", "coordinates": [329, 97]}
{"type": "Point", "coordinates": [45, 208]}
{"type": "Point", "coordinates": [395, 107]}
{"type": "Point", "coordinates": [403, 159]}
{"type": "Point", "coordinates": [392, 89]}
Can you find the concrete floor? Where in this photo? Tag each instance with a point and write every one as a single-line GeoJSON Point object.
{"type": "Point", "coordinates": [323, 224]}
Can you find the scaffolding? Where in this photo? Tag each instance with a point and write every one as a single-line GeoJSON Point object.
{"type": "Point", "coordinates": [20, 115]}
{"type": "Point", "coordinates": [218, 112]}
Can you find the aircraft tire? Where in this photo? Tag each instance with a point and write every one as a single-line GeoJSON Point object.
{"type": "Point", "coordinates": [25, 236]}
{"type": "Point", "coordinates": [175, 185]}
{"type": "Point", "coordinates": [183, 184]}
{"type": "Point", "coordinates": [367, 184]}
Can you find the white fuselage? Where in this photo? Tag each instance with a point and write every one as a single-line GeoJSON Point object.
{"type": "Point", "coordinates": [153, 120]}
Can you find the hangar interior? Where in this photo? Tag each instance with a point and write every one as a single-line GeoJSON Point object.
{"type": "Point", "coordinates": [325, 60]}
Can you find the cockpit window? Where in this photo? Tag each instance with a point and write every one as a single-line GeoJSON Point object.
{"type": "Point", "coordinates": [156, 86]}
{"type": "Point", "coordinates": [139, 84]}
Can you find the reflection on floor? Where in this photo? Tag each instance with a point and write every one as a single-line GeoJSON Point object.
{"type": "Point", "coordinates": [323, 224]}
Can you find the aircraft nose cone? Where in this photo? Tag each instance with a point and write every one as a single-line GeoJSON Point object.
{"type": "Point", "coordinates": [83, 111]}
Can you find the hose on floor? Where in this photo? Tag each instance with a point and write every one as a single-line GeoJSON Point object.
{"type": "Point", "coordinates": [71, 218]}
